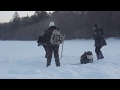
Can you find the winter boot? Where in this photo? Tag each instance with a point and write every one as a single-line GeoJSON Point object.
{"type": "Point", "coordinates": [98, 56]}
{"type": "Point", "coordinates": [48, 62]}
{"type": "Point", "coordinates": [101, 55]}
{"type": "Point", "coordinates": [57, 61]}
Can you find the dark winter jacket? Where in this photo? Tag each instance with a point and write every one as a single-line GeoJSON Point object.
{"type": "Point", "coordinates": [98, 35]}
{"type": "Point", "coordinates": [83, 58]}
{"type": "Point", "coordinates": [47, 36]}
{"type": "Point", "coordinates": [40, 41]}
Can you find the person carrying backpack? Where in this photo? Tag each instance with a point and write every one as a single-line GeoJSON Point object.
{"type": "Point", "coordinates": [98, 36]}
{"type": "Point", "coordinates": [53, 38]}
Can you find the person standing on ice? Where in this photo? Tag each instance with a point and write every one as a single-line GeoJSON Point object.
{"type": "Point", "coordinates": [41, 42]}
{"type": "Point", "coordinates": [99, 41]}
{"type": "Point", "coordinates": [52, 47]}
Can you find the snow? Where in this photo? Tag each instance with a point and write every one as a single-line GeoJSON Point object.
{"type": "Point", "coordinates": [25, 60]}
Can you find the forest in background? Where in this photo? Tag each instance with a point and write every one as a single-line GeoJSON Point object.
{"type": "Point", "coordinates": [74, 24]}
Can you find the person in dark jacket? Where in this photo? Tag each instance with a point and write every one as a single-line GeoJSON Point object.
{"type": "Point", "coordinates": [87, 57]}
{"type": "Point", "coordinates": [98, 36]}
{"type": "Point", "coordinates": [50, 47]}
{"type": "Point", "coordinates": [41, 41]}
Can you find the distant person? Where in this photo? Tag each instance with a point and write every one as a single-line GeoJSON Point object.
{"type": "Point", "coordinates": [53, 38]}
{"type": "Point", "coordinates": [98, 35]}
{"type": "Point", "coordinates": [41, 41]}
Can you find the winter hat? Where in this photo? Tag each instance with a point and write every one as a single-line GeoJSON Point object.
{"type": "Point", "coordinates": [51, 24]}
{"type": "Point", "coordinates": [95, 25]}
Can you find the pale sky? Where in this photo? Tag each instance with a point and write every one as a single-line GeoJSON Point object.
{"type": "Point", "coordinates": [6, 16]}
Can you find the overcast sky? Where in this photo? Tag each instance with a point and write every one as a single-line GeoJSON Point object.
{"type": "Point", "coordinates": [6, 16]}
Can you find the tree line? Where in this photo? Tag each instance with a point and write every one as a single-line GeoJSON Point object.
{"type": "Point", "coordinates": [74, 24]}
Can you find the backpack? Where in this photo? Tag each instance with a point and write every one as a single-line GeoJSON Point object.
{"type": "Point", "coordinates": [56, 37]}
{"type": "Point", "coordinates": [87, 57]}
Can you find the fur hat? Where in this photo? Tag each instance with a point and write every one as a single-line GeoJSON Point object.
{"type": "Point", "coordinates": [51, 24]}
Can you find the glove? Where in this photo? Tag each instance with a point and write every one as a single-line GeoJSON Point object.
{"type": "Point", "coordinates": [39, 44]}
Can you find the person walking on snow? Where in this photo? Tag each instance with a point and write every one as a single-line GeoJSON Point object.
{"type": "Point", "coordinates": [51, 48]}
{"type": "Point", "coordinates": [98, 36]}
{"type": "Point", "coordinates": [41, 42]}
